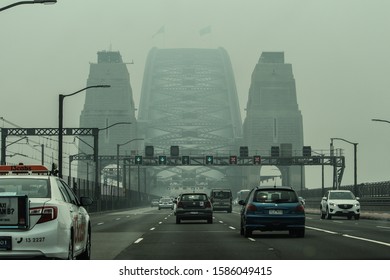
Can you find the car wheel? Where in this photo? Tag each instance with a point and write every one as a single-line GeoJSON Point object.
{"type": "Point", "coordinates": [241, 229]}
{"type": "Point", "coordinates": [86, 255]}
{"type": "Point", "coordinates": [328, 215]}
{"type": "Point", "coordinates": [177, 220]}
{"type": "Point", "coordinates": [357, 216]}
{"type": "Point", "coordinates": [247, 232]}
{"type": "Point", "coordinates": [301, 232]}
{"type": "Point", "coordinates": [71, 248]}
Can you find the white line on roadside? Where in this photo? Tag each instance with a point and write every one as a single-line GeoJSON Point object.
{"type": "Point", "coordinates": [232, 227]}
{"type": "Point", "coordinates": [138, 240]}
{"type": "Point", "coordinates": [368, 240]}
{"type": "Point", "coordinates": [221, 222]}
{"type": "Point", "coordinates": [251, 239]}
{"type": "Point", "coordinates": [350, 236]}
{"type": "Point", "coordinates": [159, 223]}
{"type": "Point", "coordinates": [152, 228]}
{"type": "Point", "coordinates": [117, 219]}
{"type": "Point", "coordinates": [383, 227]}
{"type": "Point", "coordinates": [99, 224]}
{"type": "Point", "coordinates": [323, 230]}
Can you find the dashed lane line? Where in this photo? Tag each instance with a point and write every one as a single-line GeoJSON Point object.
{"type": "Point", "coordinates": [138, 240]}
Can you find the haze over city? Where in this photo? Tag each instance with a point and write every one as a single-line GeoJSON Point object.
{"type": "Point", "coordinates": [338, 51]}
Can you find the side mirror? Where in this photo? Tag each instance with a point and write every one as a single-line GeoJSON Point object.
{"type": "Point", "coordinates": [241, 202]}
{"type": "Point", "coordinates": [86, 201]}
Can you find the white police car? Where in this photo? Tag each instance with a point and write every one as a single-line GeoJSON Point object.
{"type": "Point", "coordinates": [40, 216]}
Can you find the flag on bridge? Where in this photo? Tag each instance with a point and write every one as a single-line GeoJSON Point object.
{"type": "Point", "coordinates": [160, 31]}
{"type": "Point", "coordinates": [205, 30]}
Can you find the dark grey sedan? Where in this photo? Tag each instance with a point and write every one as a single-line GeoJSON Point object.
{"type": "Point", "coordinates": [194, 206]}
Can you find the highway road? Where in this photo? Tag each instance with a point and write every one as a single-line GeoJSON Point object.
{"type": "Point", "coordinates": [152, 234]}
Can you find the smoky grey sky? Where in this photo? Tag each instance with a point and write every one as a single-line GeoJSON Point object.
{"type": "Point", "coordinates": [339, 51]}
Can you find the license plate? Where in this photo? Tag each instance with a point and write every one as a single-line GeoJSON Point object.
{"type": "Point", "coordinates": [193, 213]}
{"type": "Point", "coordinates": [5, 243]}
{"type": "Point", "coordinates": [275, 212]}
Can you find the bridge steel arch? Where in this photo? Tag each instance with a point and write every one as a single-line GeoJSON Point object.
{"type": "Point", "coordinates": [189, 99]}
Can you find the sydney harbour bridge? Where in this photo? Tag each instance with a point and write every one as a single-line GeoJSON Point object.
{"type": "Point", "coordinates": [188, 131]}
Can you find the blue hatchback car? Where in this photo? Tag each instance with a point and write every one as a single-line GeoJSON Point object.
{"type": "Point", "coordinates": [272, 209]}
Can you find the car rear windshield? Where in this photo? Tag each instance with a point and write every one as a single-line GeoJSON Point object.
{"type": "Point", "coordinates": [194, 197]}
{"type": "Point", "coordinates": [24, 186]}
{"type": "Point", "coordinates": [275, 196]}
{"type": "Point", "coordinates": [221, 194]}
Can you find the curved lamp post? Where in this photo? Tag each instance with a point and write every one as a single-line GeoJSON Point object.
{"type": "Point", "coordinates": [117, 160]}
{"type": "Point", "coordinates": [61, 120]}
{"type": "Point", "coordinates": [95, 149]}
{"type": "Point", "coordinates": [28, 2]}
{"type": "Point", "coordinates": [355, 160]}
{"type": "Point", "coordinates": [380, 120]}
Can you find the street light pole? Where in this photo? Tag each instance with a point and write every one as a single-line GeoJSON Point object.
{"type": "Point", "coordinates": [117, 160]}
{"type": "Point", "coordinates": [28, 2]}
{"type": "Point", "coordinates": [355, 161]}
{"type": "Point", "coordinates": [61, 120]}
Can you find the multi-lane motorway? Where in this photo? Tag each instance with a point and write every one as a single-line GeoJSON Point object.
{"type": "Point", "coordinates": [152, 234]}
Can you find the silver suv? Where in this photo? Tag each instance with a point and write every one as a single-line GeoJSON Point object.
{"type": "Point", "coordinates": [340, 203]}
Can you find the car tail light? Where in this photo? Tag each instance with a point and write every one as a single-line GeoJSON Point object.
{"type": "Point", "coordinates": [251, 207]}
{"type": "Point", "coordinates": [300, 208]}
{"type": "Point", "coordinates": [47, 213]}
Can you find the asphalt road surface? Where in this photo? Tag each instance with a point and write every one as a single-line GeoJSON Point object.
{"type": "Point", "coordinates": [152, 234]}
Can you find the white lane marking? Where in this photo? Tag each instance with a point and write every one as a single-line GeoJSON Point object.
{"type": "Point", "coordinates": [383, 227]}
{"type": "Point", "coordinates": [152, 228]}
{"type": "Point", "coordinates": [221, 222]}
{"type": "Point", "coordinates": [160, 223]}
{"type": "Point", "coordinates": [138, 240]}
{"type": "Point", "coordinates": [338, 222]}
{"type": "Point", "coordinates": [99, 224]}
{"type": "Point", "coordinates": [232, 227]}
{"type": "Point", "coordinates": [323, 230]}
{"type": "Point", "coordinates": [368, 240]}
{"type": "Point", "coordinates": [117, 219]}
{"type": "Point", "coordinates": [251, 239]}
{"type": "Point", "coordinates": [351, 236]}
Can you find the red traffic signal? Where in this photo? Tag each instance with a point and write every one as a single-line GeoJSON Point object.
{"type": "Point", "coordinates": [233, 160]}
{"type": "Point", "coordinates": [256, 160]}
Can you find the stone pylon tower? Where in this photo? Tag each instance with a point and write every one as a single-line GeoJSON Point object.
{"type": "Point", "coordinates": [273, 117]}
{"type": "Point", "coordinates": [103, 108]}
